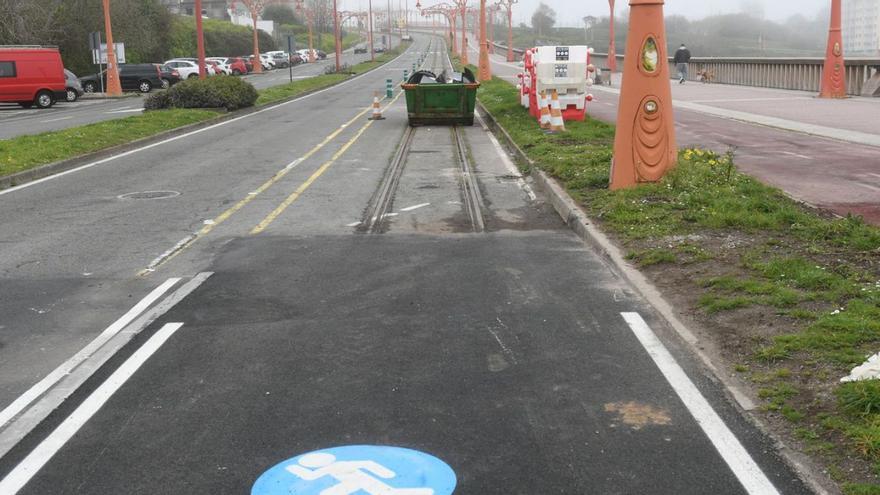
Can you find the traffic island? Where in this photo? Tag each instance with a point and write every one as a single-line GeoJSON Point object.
{"type": "Point", "coordinates": [783, 300]}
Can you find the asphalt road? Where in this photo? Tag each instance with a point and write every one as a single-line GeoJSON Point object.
{"type": "Point", "coordinates": [16, 121]}
{"type": "Point", "coordinates": [509, 351]}
{"type": "Point", "coordinates": [836, 175]}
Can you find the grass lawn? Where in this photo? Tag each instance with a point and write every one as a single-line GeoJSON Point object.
{"type": "Point", "coordinates": [26, 152]}
{"type": "Point", "coordinates": [791, 294]}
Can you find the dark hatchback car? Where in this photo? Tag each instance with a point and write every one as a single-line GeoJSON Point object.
{"type": "Point", "coordinates": [169, 76]}
{"type": "Point", "coordinates": [132, 77]}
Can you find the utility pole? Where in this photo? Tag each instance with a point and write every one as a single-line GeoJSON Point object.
{"type": "Point", "coordinates": [372, 53]}
{"type": "Point", "coordinates": [336, 40]}
{"type": "Point", "coordinates": [508, 5]}
{"type": "Point", "coordinates": [113, 86]}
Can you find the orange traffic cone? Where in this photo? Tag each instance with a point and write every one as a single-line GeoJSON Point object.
{"type": "Point", "coordinates": [545, 111]}
{"type": "Point", "coordinates": [557, 124]}
{"type": "Point", "coordinates": [377, 112]}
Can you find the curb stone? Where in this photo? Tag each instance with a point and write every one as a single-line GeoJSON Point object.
{"type": "Point", "coordinates": [58, 167]}
{"type": "Point", "coordinates": [601, 244]}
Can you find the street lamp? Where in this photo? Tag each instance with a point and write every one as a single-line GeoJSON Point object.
{"type": "Point", "coordinates": [834, 73]}
{"type": "Point", "coordinates": [309, 14]}
{"type": "Point", "coordinates": [462, 7]}
{"type": "Point", "coordinates": [508, 5]}
{"type": "Point", "coordinates": [113, 86]}
{"type": "Point", "coordinates": [485, 68]}
{"type": "Point", "coordinates": [370, 13]}
{"type": "Point", "coordinates": [336, 41]}
{"type": "Point", "coordinates": [200, 40]}
{"type": "Point", "coordinates": [612, 56]}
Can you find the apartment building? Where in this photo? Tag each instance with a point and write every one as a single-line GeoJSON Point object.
{"type": "Point", "coordinates": [861, 28]}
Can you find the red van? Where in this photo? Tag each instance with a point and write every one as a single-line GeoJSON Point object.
{"type": "Point", "coordinates": [31, 75]}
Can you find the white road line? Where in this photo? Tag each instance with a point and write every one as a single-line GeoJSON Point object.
{"type": "Point", "coordinates": [28, 468]}
{"type": "Point", "coordinates": [56, 120]}
{"type": "Point", "coordinates": [182, 136]}
{"type": "Point", "coordinates": [868, 186]}
{"type": "Point", "coordinates": [416, 207]}
{"type": "Point", "coordinates": [797, 155]}
{"type": "Point", "coordinates": [60, 372]}
{"type": "Point", "coordinates": [734, 454]}
{"type": "Point", "coordinates": [126, 110]}
{"type": "Point", "coordinates": [874, 175]}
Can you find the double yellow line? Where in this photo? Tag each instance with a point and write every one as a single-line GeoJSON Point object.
{"type": "Point", "coordinates": [212, 224]}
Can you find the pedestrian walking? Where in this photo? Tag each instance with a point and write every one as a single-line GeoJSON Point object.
{"type": "Point", "coordinates": [682, 57]}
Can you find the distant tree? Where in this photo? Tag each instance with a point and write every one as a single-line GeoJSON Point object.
{"type": "Point", "coordinates": [282, 14]}
{"type": "Point", "coordinates": [543, 19]}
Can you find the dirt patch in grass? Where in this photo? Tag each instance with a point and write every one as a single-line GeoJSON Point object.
{"type": "Point", "coordinates": [787, 297]}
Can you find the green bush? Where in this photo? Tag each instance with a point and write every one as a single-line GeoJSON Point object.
{"type": "Point", "coordinates": [226, 92]}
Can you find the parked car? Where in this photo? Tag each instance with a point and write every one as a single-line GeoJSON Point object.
{"type": "Point", "coordinates": [379, 49]}
{"type": "Point", "coordinates": [406, 37]}
{"type": "Point", "coordinates": [361, 48]}
{"type": "Point", "coordinates": [169, 76]}
{"type": "Point", "coordinates": [295, 59]}
{"type": "Point", "coordinates": [304, 53]}
{"type": "Point", "coordinates": [74, 88]}
{"type": "Point", "coordinates": [216, 68]}
{"type": "Point", "coordinates": [185, 68]}
{"type": "Point", "coordinates": [268, 62]}
{"type": "Point", "coordinates": [237, 66]}
{"type": "Point", "coordinates": [281, 60]}
{"type": "Point", "coordinates": [248, 63]}
{"type": "Point", "coordinates": [31, 76]}
{"type": "Point", "coordinates": [321, 55]}
{"type": "Point", "coordinates": [132, 77]}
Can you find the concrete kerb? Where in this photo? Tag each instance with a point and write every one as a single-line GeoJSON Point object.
{"type": "Point", "coordinates": [50, 169]}
{"type": "Point", "coordinates": [580, 224]}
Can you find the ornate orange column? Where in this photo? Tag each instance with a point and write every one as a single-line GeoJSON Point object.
{"type": "Point", "coordinates": [612, 56]}
{"type": "Point", "coordinates": [644, 143]}
{"type": "Point", "coordinates": [834, 74]}
{"type": "Point", "coordinates": [114, 88]}
{"type": "Point", "coordinates": [485, 72]}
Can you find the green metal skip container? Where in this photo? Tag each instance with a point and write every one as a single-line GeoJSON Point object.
{"type": "Point", "coordinates": [438, 102]}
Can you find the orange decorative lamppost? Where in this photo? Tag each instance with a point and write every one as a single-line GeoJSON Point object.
{"type": "Point", "coordinates": [200, 40]}
{"type": "Point", "coordinates": [484, 67]}
{"type": "Point", "coordinates": [447, 11]}
{"type": "Point", "coordinates": [492, 10]}
{"type": "Point", "coordinates": [462, 7]}
{"type": "Point", "coordinates": [255, 7]}
{"type": "Point", "coordinates": [114, 88]}
{"type": "Point", "coordinates": [644, 144]}
{"type": "Point", "coordinates": [612, 55]}
{"type": "Point", "coordinates": [834, 73]}
{"type": "Point", "coordinates": [310, 18]}
{"type": "Point", "coordinates": [508, 6]}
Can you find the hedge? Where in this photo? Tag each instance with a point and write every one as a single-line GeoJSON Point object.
{"type": "Point", "coordinates": [226, 92]}
{"type": "Point", "coordinates": [222, 38]}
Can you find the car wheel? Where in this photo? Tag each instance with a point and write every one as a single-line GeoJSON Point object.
{"type": "Point", "coordinates": [44, 99]}
{"type": "Point", "coordinates": [90, 87]}
{"type": "Point", "coordinates": [192, 76]}
{"type": "Point", "coordinates": [166, 84]}
{"type": "Point", "coordinates": [145, 86]}
{"type": "Point", "coordinates": [236, 72]}
{"type": "Point", "coordinates": [71, 95]}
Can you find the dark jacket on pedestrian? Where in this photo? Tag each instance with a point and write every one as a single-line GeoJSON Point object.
{"type": "Point", "coordinates": [682, 56]}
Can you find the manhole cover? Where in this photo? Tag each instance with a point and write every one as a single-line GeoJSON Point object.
{"type": "Point", "coordinates": [150, 195]}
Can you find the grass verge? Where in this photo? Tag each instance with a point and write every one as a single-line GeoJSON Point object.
{"type": "Point", "coordinates": [792, 295]}
{"type": "Point", "coordinates": [26, 152]}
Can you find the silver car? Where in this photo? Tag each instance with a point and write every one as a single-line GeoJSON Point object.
{"type": "Point", "coordinates": [74, 88]}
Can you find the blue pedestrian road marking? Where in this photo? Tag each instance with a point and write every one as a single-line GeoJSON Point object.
{"type": "Point", "coordinates": [358, 470]}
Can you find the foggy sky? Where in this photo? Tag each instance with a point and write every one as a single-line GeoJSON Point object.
{"type": "Point", "coordinates": [569, 12]}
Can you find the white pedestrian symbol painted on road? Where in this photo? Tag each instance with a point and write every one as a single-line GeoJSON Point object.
{"type": "Point", "coordinates": [353, 476]}
{"type": "Point", "coordinates": [358, 470]}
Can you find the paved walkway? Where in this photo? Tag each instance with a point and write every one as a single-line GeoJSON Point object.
{"type": "Point", "coordinates": [823, 152]}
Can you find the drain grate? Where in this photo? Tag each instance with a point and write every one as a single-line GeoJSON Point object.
{"type": "Point", "coordinates": [150, 195]}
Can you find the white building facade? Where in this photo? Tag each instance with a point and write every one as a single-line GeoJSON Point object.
{"type": "Point", "coordinates": [861, 28]}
